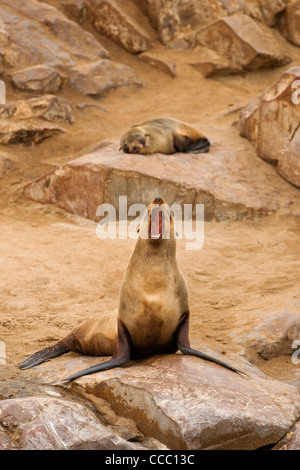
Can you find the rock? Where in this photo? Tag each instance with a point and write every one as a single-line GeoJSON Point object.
{"type": "Point", "coordinates": [174, 19]}
{"type": "Point", "coordinates": [264, 10]}
{"type": "Point", "coordinates": [188, 403]}
{"type": "Point", "coordinates": [45, 423]}
{"type": "Point", "coordinates": [289, 23]}
{"type": "Point", "coordinates": [212, 68]}
{"type": "Point", "coordinates": [49, 107]}
{"type": "Point", "coordinates": [241, 39]}
{"type": "Point", "coordinates": [271, 122]}
{"type": "Point", "coordinates": [115, 20]}
{"type": "Point", "coordinates": [165, 65]}
{"type": "Point", "coordinates": [26, 132]}
{"type": "Point", "coordinates": [229, 180]}
{"type": "Point", "coordinates": [274, 336]}
{"type": "Point", "coordinates": [39, 78]}
{"type": "Point", "coordinates": [97, 78]}
{"type": "Point", "coordinates": [36, 33]}
{"type": "Point", "coordinates": [76, 9]}
{"type": "Point", "coordinates": [291, 441]}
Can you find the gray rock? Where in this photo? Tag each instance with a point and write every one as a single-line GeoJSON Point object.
{"type": "Point", "coordinates": [38, 79]}
{"type": "Point", "coordinates": [97, 78]}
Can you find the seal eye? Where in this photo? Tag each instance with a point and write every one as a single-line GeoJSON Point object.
{"type": "Point", "coordinates": [142, 142]}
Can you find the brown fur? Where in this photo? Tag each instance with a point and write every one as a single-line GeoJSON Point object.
{"type": "Point", "coordinates": [153, 313]}
{"type": "Point", "coordinates": [163, 135]}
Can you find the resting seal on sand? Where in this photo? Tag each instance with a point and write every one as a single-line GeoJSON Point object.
{"type": "Point", "coordinates": [153, 313]}
{"type": "Point", "coordinates": [163, 135]}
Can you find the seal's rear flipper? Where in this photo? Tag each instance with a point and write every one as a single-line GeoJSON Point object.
{"type": "Point", "coordinates": [121, 355]}
{"type": "Point", "coordinates": [201, 146]}
{"type": "Point", "coordinates": [41, 356]}
{"type": "Point", "coordinates": [184, 346]}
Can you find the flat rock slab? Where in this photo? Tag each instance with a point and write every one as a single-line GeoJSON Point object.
{"type": "Point", "coordinates": [27, 132]}
{"type": "Point", "coordinates": [187, 403]}
{"type": "Point", "coordinates": [230, 180]}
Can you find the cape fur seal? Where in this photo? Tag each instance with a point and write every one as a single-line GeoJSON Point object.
{"type": "Point", "coordinates": [163, 135]}
{"type": "Point", "coordinates": [153, 313]}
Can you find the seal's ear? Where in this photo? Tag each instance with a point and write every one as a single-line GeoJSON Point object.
{"type": "Point", "coordinates": [138, 229]}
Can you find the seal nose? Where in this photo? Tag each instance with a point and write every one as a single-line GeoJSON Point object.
{"type": "Point", "coordinates": [157, 200]}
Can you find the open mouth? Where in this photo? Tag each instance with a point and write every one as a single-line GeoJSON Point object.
{"type": "Point", "coordinates": [156, 224]}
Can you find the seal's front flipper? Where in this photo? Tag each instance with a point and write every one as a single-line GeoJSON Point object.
{"type": "Point", "coordinates": [121, 355]}
{"type": "Point", "coordinates": [41, 356]}
{"type": "Point", "coordinates": [201, 146]}
{"type": "Point", "coordinates": [182, 337]}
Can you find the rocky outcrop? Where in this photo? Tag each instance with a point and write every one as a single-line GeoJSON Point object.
{"type": "Point", "coordinates": [182, 402]}
{"type": "Point", "coordinates": [23, 121]}
{"type": "Point", "coordinates": [272, 121]}
{"type": "Point", "coordinates": [115, 19]}
{"type": "Point", "coordinates": [186, 179]}
{"type": "Point", "coordinates": [244, 41]}
{"type": "Point", "coordinates": [36, 33]}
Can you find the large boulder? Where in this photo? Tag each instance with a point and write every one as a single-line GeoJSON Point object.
{"type": "Point", "coordinates": [229, 181]}
{"type": "Point", "coordinates": [188, 403]}
{"type": "Point", "coordinates": [272, 122]}
{"type": "Point", "coordinates": [112, 18]}
{"type": "Point", "coordinates": [239, 38]}
{"type": "Point", "coordinates": [34, 33]}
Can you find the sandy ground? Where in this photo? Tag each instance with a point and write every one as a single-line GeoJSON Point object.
{"type": "Point", "coordinates": [55, 272]}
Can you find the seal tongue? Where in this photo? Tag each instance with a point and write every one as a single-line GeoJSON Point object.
{"type": "Point", "coordinates": [156, 224]}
